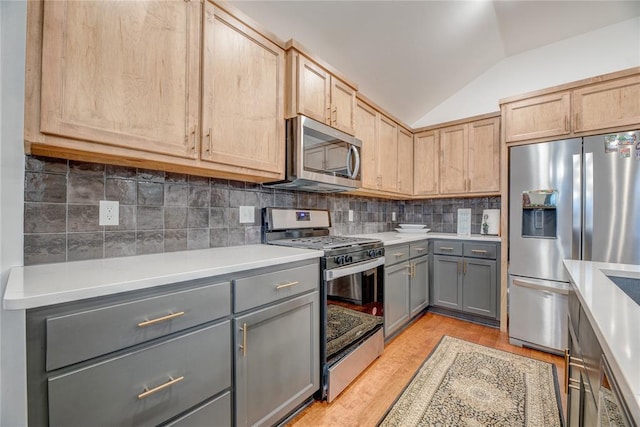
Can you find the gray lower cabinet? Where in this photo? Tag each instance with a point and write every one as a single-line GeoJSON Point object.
{"type": "Point", "coordinates": [419, 289]}
{"type": "Point", "coordinates": [465, 277]}
{"type": "Point", "coordinates": [276, 359]}
{"type": "Point", "coordinates": [397, 310]}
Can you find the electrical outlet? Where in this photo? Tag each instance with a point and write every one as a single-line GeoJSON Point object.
{"type": "Point", "coordinates": [109, 212]}
{"type": "Point", "coordinates": [247, 214]}
{"type": "Point", "coordinates": [393, 216]}
{"type": "Point", "coordinates": [350, 215]}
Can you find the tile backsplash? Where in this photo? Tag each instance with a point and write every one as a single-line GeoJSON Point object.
{"type": "Point", "coordinates": [164, 211]}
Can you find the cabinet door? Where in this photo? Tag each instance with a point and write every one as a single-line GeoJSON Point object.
{"type": "Point", "coordinates": [405, 161]}
{"type": "Point", "coordinates": [479, 287]}
{"type": "Point", "coordinates": [314, 91]}
{"type": "Point", "coordinates": [483, 169]}
{"type": "Point", "coordinates": [388, 154]}
{"type": "Point", "coordinates": [538, 117]}
{"type": "Point", "coordinates": [367, 132]}
{"type": "Point", "coordinates": [396, 297]}
{"type": "Point", "coordinates": [447, 289]}
{"type": "Point", "coordinates": [243, 104]}
{"type": "Point", "coordinates": [419, 285]}
{"type": "Point", "coordinates": [453, 159]}
{"type": "Point", "coordinates": [426, 165]}
{"type": "Point", "coordinates": [343, 106]}
{"type": "Point", "coordinates": [277, 359]}
{"type": "Point", "coordinates": [607, 105]}
{"type": "Point", "coordinates": [124, 74]}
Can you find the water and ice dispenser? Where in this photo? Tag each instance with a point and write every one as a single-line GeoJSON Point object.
{"type": "Point", "coordinates": [539, 214]}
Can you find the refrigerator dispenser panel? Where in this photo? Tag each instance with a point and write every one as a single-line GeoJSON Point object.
{"type": "Point", "coordinates": [539, 214]}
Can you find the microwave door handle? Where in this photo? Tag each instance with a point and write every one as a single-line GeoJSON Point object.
{"type": "Point", "coordinates": [353, 151]}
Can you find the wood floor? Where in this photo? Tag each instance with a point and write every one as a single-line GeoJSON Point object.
{"type": "Point", "coordinates": [366, 400]}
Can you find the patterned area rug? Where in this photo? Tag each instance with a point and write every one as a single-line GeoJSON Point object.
{"type": "Point", "coordinates": [465, 384]}
{"type": "Point", "coordinates": [345, 326]}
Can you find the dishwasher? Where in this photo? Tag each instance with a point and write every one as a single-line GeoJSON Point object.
{"type": "Point", "coordinates": [542, 309]}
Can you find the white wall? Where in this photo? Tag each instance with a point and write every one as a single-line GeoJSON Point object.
{"type": "Point", "coordinates": [12, 345]}
{"type": "Point", "coordinates": [602, 51]}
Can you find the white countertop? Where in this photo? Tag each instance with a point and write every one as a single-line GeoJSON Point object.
{"type": "Point", "coordinates": [615, 318]}
{"type": "Point", "coordinates": [390, 238]}
{"type": "Point", "coordinates": [46, 284]}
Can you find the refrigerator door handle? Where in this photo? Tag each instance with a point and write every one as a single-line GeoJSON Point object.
{"type": "Point", "coordinates": [537, 287]}
{"type": "Point", "coordinates": [588, 208]}
{"type": "Point", "coordinates": [576, 222]}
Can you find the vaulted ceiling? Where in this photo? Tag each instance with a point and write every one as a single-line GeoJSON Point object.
{"type": "Point", "coordinates": [410, 56]}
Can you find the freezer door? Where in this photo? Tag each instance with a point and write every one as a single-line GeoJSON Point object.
{"type": "Point", "coordinates": [612, 201]}
{"type": "Point", "coordinates": [546, 166]}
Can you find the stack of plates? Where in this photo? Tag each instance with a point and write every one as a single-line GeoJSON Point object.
{"type": "Point", "coordinates": [413, 228]}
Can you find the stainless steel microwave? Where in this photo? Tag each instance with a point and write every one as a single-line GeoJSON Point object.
{"type": "Point", "coordinates": [319, 158]}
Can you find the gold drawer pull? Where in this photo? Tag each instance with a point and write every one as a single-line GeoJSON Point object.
{"type": "Point", "coordinates": [399, 254]}
{"type": "Point", "coordinates": [149, 392]}
{"type": "Point", "coordinates": [244, 339]}
{"type": "Point", "coordinates": [445, 248]}
{"type": "Point", "coordinates": [479, 251]}
{"type": "Point", "coordinates": [421, 249]}
{"type": "Point", "coordinates": [286, 285]}
{"type": "Point", "coordinates": [160, 319]}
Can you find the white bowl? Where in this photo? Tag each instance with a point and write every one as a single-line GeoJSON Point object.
{"type": "Point", "coordinates": [412, 226]}
{"type": "Point", "coordinates": [413, 230]}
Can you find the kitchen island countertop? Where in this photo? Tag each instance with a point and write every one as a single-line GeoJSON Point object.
{"type": "Point", "coordinates": [615, 318]}
{"type": "Point", "coordinates": [47, 284]}
{"type": "Point", "coordinates": [390, 238]}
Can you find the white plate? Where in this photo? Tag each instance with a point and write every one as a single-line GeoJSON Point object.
{"type": "Point", "coordinates": [412, 226]}
{"type": "Point", "coordinates": [413, 230]}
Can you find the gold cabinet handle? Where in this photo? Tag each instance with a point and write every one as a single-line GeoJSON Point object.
{"type": "Point", "coordinates": [149, 392]}
{"type": "Point", "coordinates": [421, 249]}
{"type": "Point", "coordinates": [445, 248]}
{"type": "Point", "coordinates": [409, 267]}
{"type": "Point", "coordinates": [413, 269]}
{"type": "Point", "coordinates": [243, 347]}
{"type": "Point", "coordinates": [209, 136]}
{"type": "Point", "coordinates": [328, 117]}
{"type": "Point", "coordinates": [194, 133]}
{"type": "Point", "coordinates": [479, 251]}
{"type": "Point", "coordinates": [335, 115]}
{"type": "Point", "coordinates": [286, 285]}
{"type": "Point", "coordinates": [160, 319]}
{"type": "Point", "coordinates": [566, 370]}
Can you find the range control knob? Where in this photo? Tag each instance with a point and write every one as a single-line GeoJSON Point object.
{"type": "Point", "coordinates": [380, 252]}
{"type": "Point", "coordinates": [372, 253]}
{"type": "Point", "coordinates": [339, 260]}
{"type": "Point", "coordinates": [348, 259]}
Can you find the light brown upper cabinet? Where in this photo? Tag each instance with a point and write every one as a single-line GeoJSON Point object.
{"type": "Point", "coordinates": [122, 74]}
{"type": "Point", "coordinates": [405, 161]}
{"type": "Point", "coordinates": [607, 105]}
{"type": "Point", "coordinates": [426, 163]}
{"type": "Point", "coordinates": [538, 117]}
{"type": "Point", "coordinates": [243, 101]}
{"type": "Point", "coordinates": [470, 157]}
{"type": "Point", "coordinates": [388, 154]}
{"type": "Point", "coordinates": [367, 132]}
{"type": "Point", "coordinates": [316, 93]}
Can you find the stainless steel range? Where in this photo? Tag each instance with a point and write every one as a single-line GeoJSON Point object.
{"type": "Point", "coordinates": [352, 274]}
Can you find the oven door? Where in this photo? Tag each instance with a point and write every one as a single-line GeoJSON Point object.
{"type": "Point", "coordinates": [360, 283]}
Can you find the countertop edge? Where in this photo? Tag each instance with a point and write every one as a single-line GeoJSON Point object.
{"type": "Point", "coordinates": [393, 238]}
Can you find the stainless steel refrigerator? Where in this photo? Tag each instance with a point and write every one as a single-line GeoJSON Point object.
{"type": "Point", "coordinates": [576, 198]}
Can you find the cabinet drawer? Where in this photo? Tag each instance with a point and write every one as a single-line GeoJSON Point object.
{"type": "Point", "coordinates": [447, 247]}
{"type": "Point", "coordinates": [418, 249]}
{"type": "Point", "coordinates": [112, 392]}
{"type": "Point", "coordinates": [395, 254]}
{"type": "Point", "coordinates": [265, 288]}
{"type": "Point", "coordinates": [479, 250]}
{"type": "Point", "coordinates": [216, 413]}
{"type": "Point", "coordinates": [80, 336]}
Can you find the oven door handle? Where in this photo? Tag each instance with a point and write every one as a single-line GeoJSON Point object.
{"type": "Point", "coordinates": [360, 267]}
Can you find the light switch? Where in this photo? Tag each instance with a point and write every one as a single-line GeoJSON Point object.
{"type": "Point", "coordinates": [393, 216]}
{"type": "Point", "coordinates": [247, 214]}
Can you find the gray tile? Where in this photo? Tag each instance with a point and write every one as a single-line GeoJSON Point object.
{"type": "Point", "coordinates": [198, 218]}
{"type": "Point", "coordinates": [175, 217]}
{"type": "Point", "coordinates": [197, 238]}
{"type": "Point", "coordinates": [284, 200]}
{"type": "Point", "coordinates": [113, 171]}
{"type": "Point", "coordinates": [86, 168]}
{"type": "Point", "coordinates": [199, 197]}
{"type": "Point", "coordinates": [149, 242]}
{"type": "Point", "coordinates": [149, 218]}
{"type": "Point", "coordinates": [85, 246]}
{"type": "Point", "coordinates": [127, 219]}
{"type": "Point", "coordinates": [236, 236]}
{"type": "Point", "coordinates": [119, 243]}
{"type": "Point", "coordinates": [45, 218]}
{"type": "Point", "coordinates": [308, 200]}
{"type": "Point", "coordinates": [201, 181]}
{"type": "Point", "coordinates": [238, 185]}
{"type": "Point", "coordinates": [83, 218]}
{"type": "Point", "coordinates": [175, 240]}
{"type": "Point", "coordinates": [219, 183]}
{"type": "Point", "coordinates": [87, 189]}
{"type": "Point", "coordinates": [150, 175]}
{"type": "Point", "coordinates": [45, 164]}
{"type": "Point", "coordinates": [176, 194]}
{"type": "Point", "coordinates": [217, 217]}
{"type": "Point", "coordinates": [44, 248]}
{"type": "Point", "coordinates": [447, 218]}
{"type": "Point", "coordinates": [122, 190]}
{"type": "Point", "coordinates": [266, 199]}
{"type": "Point", "coordinates": [219, 237]}
{"type": "Point", "coordinates": [251, 198]}
{"type": "Point", "coordinates": [252, 235]}
{"type": "Point", "coordinates": [45, 187]}
{"type": "Point", "coordinates": [236, 198]}
{"type": "Point", "coordinates": [219, 197]}
{"type": "Point", "coordinates": [233, 217]}
{"type": "Point", "coordinates": [176, 177]}
{"type": "Point", "coordinates": [150, 193]}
